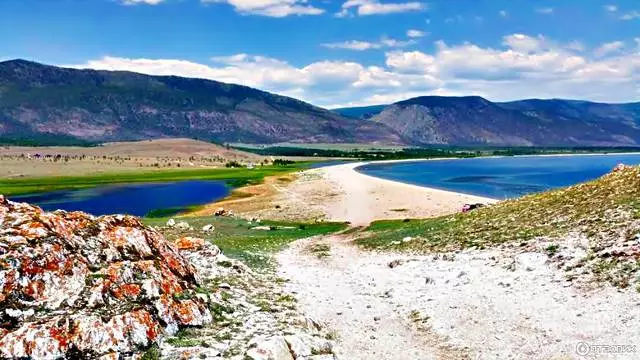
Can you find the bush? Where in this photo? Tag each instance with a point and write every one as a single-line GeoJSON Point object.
{"type": "Point", "coordinates": [233, 164]}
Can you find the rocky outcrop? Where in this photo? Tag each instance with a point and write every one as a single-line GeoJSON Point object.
{"type": "Point", "coordinates": [78, 286]}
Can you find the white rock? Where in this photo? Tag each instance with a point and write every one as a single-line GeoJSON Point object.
{"type": "Point", "coordinates": [183, 225]}
{"type": "Point", "coordinates": [407, 239]}
{"type": "Point", "coordinates": [266, 228]}
{"type": "Point", "coordinates": [171, 223]}
{"type": "Point", "coordinates": [303, 345]}
{"type": "Point", "coordinates": [531, 261]}
{"type": "Point", "coordinates": [299, 347]}
{"type": "Point", "coordinates": [272, 349]}
{"type": "Point", "coordinates": [208, 228]}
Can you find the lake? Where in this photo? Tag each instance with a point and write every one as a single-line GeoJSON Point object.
{"type": "Point", "coordinates": [134, 199]}
{"type": "Point", "coordinates": [501, 177]}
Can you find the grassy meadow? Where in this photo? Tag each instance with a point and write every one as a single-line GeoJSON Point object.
{"type": "Point", "coordinates": [238, 238]}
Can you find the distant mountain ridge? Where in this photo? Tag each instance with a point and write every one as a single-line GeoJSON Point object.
{"type": "Point", "coordinates": [46, 101]}
{"type": "Point", "coordinates": [473, 120]}
{"type": "Point", "coordinates": [362, 112]}
{"type": "Point", "coordinates": [49, 105]}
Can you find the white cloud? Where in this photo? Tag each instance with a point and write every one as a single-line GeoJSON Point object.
{"type": "Point", "coordinates": [271, 8]}
{"type": "Point", "coordinates": [136, 2]}
{"type": "Point", "coordinates": [358, 45]}
{"type": "Point", "coordinates": [608, 48]}
{"type": "Point", "coordinates": [524, 66]}
{"type": "Point", "coordinates": [631, 15]}
{"type": "Point", "coordinates": [375, 7]}
{"type": "Point", "coordinates": [413, 33]}
{"type": "Point", "coordinates": [353, 45]}
{"type": "Point", "coordinates": [545, 11]}
{"type": "Point", "coordinates": [524, 43]}
{"type": "Point", "coordinates": [504, 13]}
{"type": "Point", "coordinates": [611, 8]}
{"type": "Point", "coordinates": [575, 46]}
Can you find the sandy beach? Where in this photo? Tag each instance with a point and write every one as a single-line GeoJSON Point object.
{"type": "Point", "coordinates": [341, 193]}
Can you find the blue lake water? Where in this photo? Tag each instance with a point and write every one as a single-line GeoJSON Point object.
{"type": "Point", "coordinates": [504, 177]}
{"type": "Point", "coordinates": [133, 199]}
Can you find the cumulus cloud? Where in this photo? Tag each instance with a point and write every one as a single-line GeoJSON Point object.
{"type": "Point", "coordinates": [375, 7]}
{"type": "Point", "coordinates": [504, 13]}
{"type": "Point", "coordinates": [271, 8]}
{"type": "Point", "coordinates": [524, 66]}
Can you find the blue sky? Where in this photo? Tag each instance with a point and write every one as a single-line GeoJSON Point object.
{"type": "Point", "coordinates": [347, 52]}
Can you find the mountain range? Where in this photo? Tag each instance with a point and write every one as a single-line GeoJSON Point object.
{"type": "Point", "coordinates": [45, 101]}
{"type": "Point", "coordinates": [473, 120]}
{"type": "Point", "coordinates": [51, 103]}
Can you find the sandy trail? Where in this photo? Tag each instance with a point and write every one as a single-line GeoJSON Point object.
{"type": "Point", "coordinates": [489, 304]}
{"type": "Point", "coordinates": [365, 198]}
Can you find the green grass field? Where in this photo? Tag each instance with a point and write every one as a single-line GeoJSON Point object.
{"type": "Point", "coordinates": [234, 176]}
{"type": "Point", "coordinates": [236, 238]}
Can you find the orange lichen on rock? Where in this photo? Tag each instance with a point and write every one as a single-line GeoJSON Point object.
{"type": "Point", "coordinates": [96, 277]}
{"type": "Point", "coordinates": [189, 243]}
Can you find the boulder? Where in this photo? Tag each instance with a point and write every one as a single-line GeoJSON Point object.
{"type": "Point", "coordinates": [171, 223]}
{"type": "Point", "coordinates": [303, 345]}
{"type": "Point", "coordinates": [77, 286]}
{"type": "Point", "coordinates": [272, 349]}
{"type": "Point", "coordinates": [183, 225]}
{"type": "Point", "coordinates": [208, 228]}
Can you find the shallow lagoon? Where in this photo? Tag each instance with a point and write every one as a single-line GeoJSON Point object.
{"type": "Point", "coordinates": [134, 199]}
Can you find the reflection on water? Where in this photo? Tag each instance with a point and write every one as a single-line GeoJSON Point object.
{"type": "Point", "coordinates": [501, 178]}
{"type": "Point", "coordinates": [133, 199]}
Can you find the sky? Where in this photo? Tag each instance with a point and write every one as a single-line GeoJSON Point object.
{"type": "Point", "coordinates": [335, 53]}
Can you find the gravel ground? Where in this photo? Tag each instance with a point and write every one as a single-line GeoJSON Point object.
{"type": "Point", "coordinates": [489, 304]}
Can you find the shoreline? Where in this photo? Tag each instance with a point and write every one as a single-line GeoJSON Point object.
{"type": "Point", "coordinates": [368, 198]}
{"type": "Point", "coordinates": [340, 193]}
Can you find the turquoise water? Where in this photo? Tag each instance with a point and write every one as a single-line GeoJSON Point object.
{"type": "Point", "coordinates": [133, 199]}
{"type": "Point", "coordinates": [501, 178]}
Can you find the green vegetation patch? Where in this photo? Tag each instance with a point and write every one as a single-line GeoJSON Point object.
{"type": "Point", "coordinates": [233, 176]}
{"type": "Point", "coordinates": [240, 239]}
{"type": "Point", "coordinates": [598, 208]}
{"type": "Point", "coordinates": [320, 251]}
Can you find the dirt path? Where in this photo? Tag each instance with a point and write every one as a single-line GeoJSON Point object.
{"type": "Point", "coordinates": [344, 292]}
{"type": "Point", "coordinates": [477, 304]}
